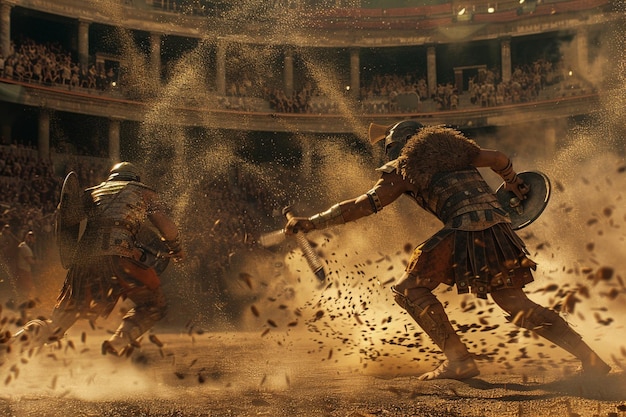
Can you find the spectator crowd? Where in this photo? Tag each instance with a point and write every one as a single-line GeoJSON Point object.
{"type": "Point", "coordinates": [51, 65]}
{"type": "Point", "coordinates": [383, 93]}
{"type": "Point", "coordinates": [29, 192]}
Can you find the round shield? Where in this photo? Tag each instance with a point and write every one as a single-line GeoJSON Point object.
{"type": "Point", "coordinates": [70, 213]}
{"type": "Point", "coordinates": [155, 253]}
{"type": "Point", "coordinates": [524, 212]}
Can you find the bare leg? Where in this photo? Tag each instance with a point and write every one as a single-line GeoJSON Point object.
{"type": "Point", "coordinates": [548, 324]}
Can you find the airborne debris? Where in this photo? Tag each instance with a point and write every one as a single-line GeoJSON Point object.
{"type": "Point", "coordinates": [154, 339]}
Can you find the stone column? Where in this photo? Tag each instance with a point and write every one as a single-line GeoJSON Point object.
{"type": "Point", "coordinates": [458, 80]}
{"type": "Point", "coordinates": [114, 140]}
{"type": "Point", "coordinates": [505, 52]}
{"type": "Point", "coordinates": [582, 52]}
{"type": "Point", "coordinates": [431, 69]}
{"type": "Point", "coordinates": [155, 54]}
{"type": "Point", "coordinates": [220, 76]}
{"type": "Point", "coordinates": [355, 73]}
{"type": "Point", "coordinates": [83, 43]}
{"type": "Point", "coordinates": [43, 134]}
{"type": "Point", "coordinates": [5, 29]}
{"type": "Point", "coordinates": [288, 71]}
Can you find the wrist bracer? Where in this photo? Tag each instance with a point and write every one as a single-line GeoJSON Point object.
{"type": "Point", "coordinates": [507, 173]}
{"type": "Point", "coordinates": [330, 217]}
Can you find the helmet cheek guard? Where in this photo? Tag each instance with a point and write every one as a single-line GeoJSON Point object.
{"type": "Point", "coordinates": [398, 135]}
{"type": "Point", "coordinates": [393, 149]}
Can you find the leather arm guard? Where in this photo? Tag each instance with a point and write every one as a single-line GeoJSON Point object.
{"type": "Point", "coordinates": [507, 173]}
{"type": "Point", "coordinates": [330, 217]}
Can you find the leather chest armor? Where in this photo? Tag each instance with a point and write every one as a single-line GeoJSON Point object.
{"type": "Point", "coordinates": [463, 200]}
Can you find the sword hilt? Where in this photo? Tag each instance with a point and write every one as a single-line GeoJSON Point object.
{"type": "Point", "coordinates": [305, 246]}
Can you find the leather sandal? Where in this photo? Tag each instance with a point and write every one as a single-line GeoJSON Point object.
{"type": "Point", "coordinates": [459, 369]}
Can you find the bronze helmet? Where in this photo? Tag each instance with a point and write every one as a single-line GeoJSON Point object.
{"type": "Point", "coordinates": [398, 135]}
{"type": "Point", "coordinates": [124, 171]}
{"type": "Point", "coordinates": [395, 135]}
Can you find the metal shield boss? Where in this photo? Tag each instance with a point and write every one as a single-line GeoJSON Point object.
{"type": "Point", "coordinates": [70, 213]}
{"type": "Point", "coordinates": [524, 212]}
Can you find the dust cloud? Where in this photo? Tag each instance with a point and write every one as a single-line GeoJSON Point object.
{"type": "Point", "coordinates": [577, 242]}
{"type": "Point", "coordinates": [351, 318]}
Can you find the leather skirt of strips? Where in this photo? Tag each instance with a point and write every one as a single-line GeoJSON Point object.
{"type": "Point", "coordinates": [475, 261]}
{"type": "Point", "coordinates": [93, 287]}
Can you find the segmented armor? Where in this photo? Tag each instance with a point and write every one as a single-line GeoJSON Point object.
{"type": "Point", "coordinates": [460, 199]}
{"type": "Point", "coordinates": [118, 210]}
{"type": "Point", "coordinates": [108, 266]}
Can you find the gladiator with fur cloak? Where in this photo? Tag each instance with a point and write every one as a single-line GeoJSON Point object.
{"type": "Point", "coordinates": [477, 250]}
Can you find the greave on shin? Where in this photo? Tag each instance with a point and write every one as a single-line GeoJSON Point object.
{"type": "Point", "coordinates": [37, 333]}
{"type": "Point", "coordinates": [34, 334]}
{"type": "Point", "coordinates": [135, 323]}
{"type": "Point", "coordinates": [429, 314]}
{"type": "Point", "coordinates": [125, 336]}
{"type": "Point", "coordinates": [551, 326]}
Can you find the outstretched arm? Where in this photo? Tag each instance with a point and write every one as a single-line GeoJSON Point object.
{"type": "Point", "coordinates": [385, 191]}
{"type": "Point", "coordinates": [502, 165]}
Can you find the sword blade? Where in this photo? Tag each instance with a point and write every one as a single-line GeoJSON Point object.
{"type": "Point", "coordinates": [272, 238]}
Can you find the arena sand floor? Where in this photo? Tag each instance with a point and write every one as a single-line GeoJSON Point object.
{"type": "Point", "coordinates": [272, 374]}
